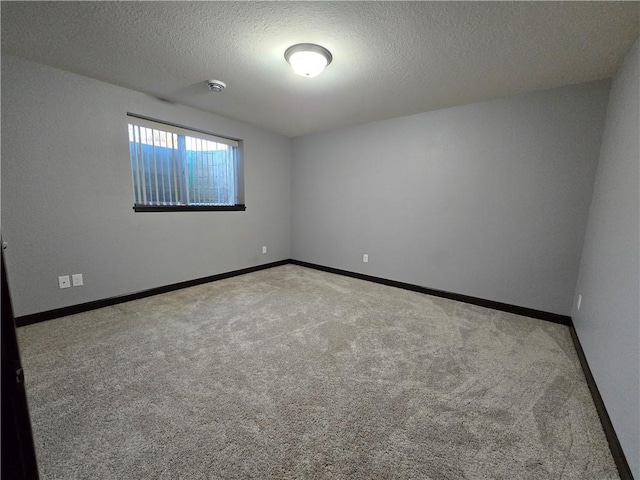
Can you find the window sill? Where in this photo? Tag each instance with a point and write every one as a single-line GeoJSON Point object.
{"type": "Point", "coordinates": [189, 208]}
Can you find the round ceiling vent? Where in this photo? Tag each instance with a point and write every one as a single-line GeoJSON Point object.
{"type": "Point", "coordinates": [216, 85]}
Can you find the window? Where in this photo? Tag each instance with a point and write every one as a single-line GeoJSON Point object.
{"type": "Point", "coordinates": [176, 168]}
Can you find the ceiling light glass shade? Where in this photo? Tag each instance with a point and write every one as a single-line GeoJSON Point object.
{"type": "Point", "coordinates": [308, 59]}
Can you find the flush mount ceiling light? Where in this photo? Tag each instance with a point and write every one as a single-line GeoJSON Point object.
{"type": "Point", "coordinates": [308, 59]}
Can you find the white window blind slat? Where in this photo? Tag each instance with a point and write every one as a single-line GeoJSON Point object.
{"type": "Point", "coordinates": [143, 122]}
{"type": "Point", "coordinates": [176, 169]}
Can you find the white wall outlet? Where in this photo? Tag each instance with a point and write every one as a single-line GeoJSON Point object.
{"type": "Point", "coordinates": [264, 249]}
{"type": "Point", "coordinates": [64, 282]}
{"type": "Point", "coordinates": [365, 258]}
{"type": "Point", "coordinates": [76, 279]}
{"type": "Point", "coordinates": [579, 302]}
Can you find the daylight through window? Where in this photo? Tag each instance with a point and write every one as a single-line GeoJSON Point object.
{"type": "Point", "coordinates": [174, 168]}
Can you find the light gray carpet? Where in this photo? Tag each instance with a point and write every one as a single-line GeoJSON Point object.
{"type": "Point", "coordinates": [299, 374]}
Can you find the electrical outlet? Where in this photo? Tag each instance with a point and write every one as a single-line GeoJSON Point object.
{"type": "Point", "coordinates": [76, 279]}
{"type": "Point", "coordinates": [579, 302]}
{"type": "Point", "coordinates": [365, 258]}
{"type": "Point", "coordinates": [63, 282]}
{"type": "Point", "coordinates": [264, 249]}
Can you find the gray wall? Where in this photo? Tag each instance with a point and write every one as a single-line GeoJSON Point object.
{"type": "Point", "coordinates": [67, 194]}
{"type": "Point", "coordinates": [488, 199]}
{"type": "Point", "coordinates": [608, 322]}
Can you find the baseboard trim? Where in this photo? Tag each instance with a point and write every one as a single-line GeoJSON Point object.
{"type": "Point", "coordinates": [106, 302]}
{"type": "Point", "coordinates": [612, 438]}
{"type": "Point", "coordinates": [505, 307]}
{"type": "Point", "coordinates": [84, 307]}
{"type": "Point", "coordinates": [614, 444]}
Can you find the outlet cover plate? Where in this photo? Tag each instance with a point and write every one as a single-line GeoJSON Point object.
{"type": "Point", "coordinates": [64, 282]}
{"type": "Point", "coordinates": [76, 279]}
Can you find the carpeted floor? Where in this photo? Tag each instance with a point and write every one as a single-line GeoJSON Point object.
{"type": "Point", "coordinates": [299, 374]}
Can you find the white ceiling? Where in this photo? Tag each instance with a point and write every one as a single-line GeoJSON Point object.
{"type": "Point", "coordinates": [390, 58]}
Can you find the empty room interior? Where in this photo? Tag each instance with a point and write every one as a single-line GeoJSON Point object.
{"type": "Point", "coordinates": [322, 240]}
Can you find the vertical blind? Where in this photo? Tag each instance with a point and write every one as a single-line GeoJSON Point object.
{"type": "Point", "coordinates": [175, 166]}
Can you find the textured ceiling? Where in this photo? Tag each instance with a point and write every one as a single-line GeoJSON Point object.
{"type": "Point", "coordinates": [390, 58]}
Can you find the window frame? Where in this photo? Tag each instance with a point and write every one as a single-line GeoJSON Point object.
{"type": "Point", "coordinates": [132, 118]}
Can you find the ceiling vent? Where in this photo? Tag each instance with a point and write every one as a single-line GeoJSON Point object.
{"type": "Point", "coordinates": [216, 85]}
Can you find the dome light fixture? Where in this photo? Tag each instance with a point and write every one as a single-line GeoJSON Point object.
{"type": "Point", "coordinates": [308, 59]}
